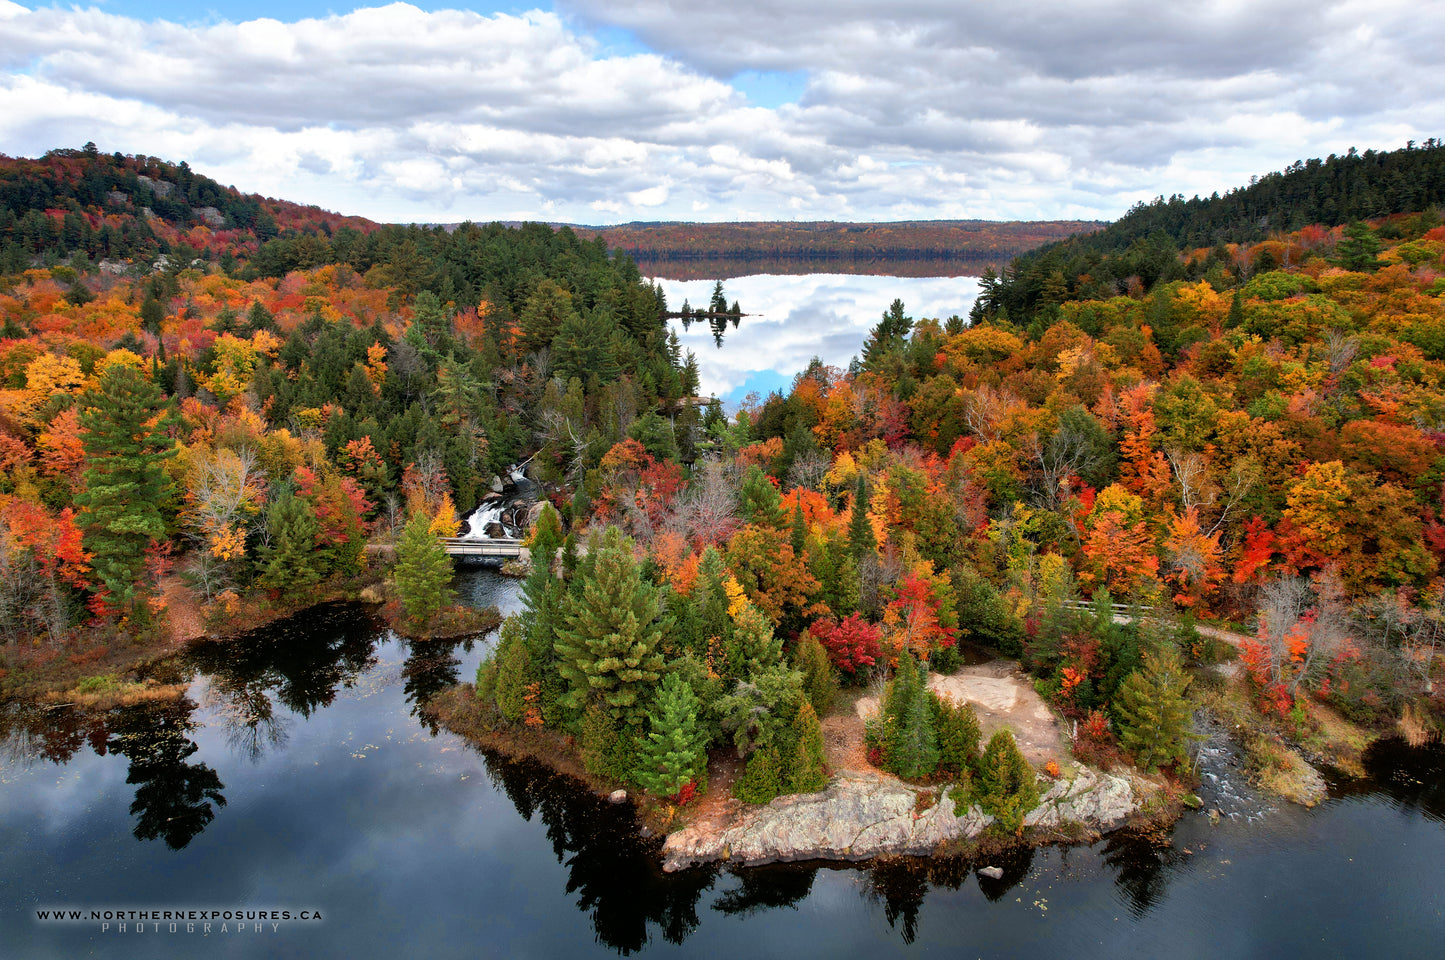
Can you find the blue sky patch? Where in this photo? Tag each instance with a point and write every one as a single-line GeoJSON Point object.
{"type": "Point", "coordinates": [771, 88]}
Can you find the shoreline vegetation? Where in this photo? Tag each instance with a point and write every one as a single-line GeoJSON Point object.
{"type": "Point", "coordinates": [1226, 409]}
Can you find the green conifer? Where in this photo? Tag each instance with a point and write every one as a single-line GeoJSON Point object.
{"type": "Point", "coordinates": [423, 571]}
{"type": "Point", "coordinates": [912, 746]}
{"type": "Point", "coordinates": [1151, 711]}
{"type": "Point", "coordinates": [674, 753]}
{"type": "Point", "coordinates": [1007, 787]}
{"type": "Point", "coordinates": [608, 633]}
{"type": "Point", "coordinates": [124, 483]}
{"type": "Point", "coordinates": [809, 771]}
{"type": "Point", "coordinates": [820, 680]}
{"type": "Point", "coordinates": [958, 735]}
{"type": "Point", "coordinates": [860, 531]}
{"type": "Point", "coordinates": [289, 562]}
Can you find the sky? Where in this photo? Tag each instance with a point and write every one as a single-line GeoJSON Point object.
{"type": "Point", "coordinates": [607, 111]}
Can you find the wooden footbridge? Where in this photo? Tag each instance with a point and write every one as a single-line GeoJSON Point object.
{"type": "Point", "coordinates": [467, 547]}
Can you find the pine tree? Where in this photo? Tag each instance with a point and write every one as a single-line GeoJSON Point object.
{"type": "Point", "coordinates": [751, 647]}
{"type": "Point", "coordinates": [675, 752]}
{"type": "Point", "coordinates": [1359, 248]}
{"type": "Point", "coordinates": [289, 560]}
{"type": "Point", "coordinates": [1151, 711]}
{"type": "Point", "coordinates": [1235, 320]}
{"type": "Point", "coordinates": [514, 671]}
{"type": "Point", "coordinates": [541, 599]}
{"type": "Point", "coordinates": [809, 771]}
{"type": "Point", "coordinates": [124, 483]}
{"type": "Point", "coordinates": [423, 570]}
{"type": "Point", "coordinates": [608, 634]}
{"type": "Point", "coordinates": [759, 500]}
{"type": "Point", "coordinates": [1007, 786]}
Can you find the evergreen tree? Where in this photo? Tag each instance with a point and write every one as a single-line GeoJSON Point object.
{"type": "Point", "coordinates": [289, 560]}
{"type": "Point", "coordinates": [423, 570]}
{"type": "Point", "coordinates": [674, 753]}
{"type": "Point", "coordinates": [820, 680]}
{"type": "Point", "coordinates": [1359, 248]}
{"type": "Point", "coordinates": [762, 779]}
{"type": "Point", "coordinates": [606, 642]}
{"type": "Point", "coordinates": [514, 670]}
{"type": "Point", "coordinates": [912, 744]}
{"type": "Point", "coordinates": [1235, 320]}
{"type": "Point", "coordinates": [750, 647]}
{"type": "Point", "coordinates": [860, 531]}
{"type": "Point", "coordinates": [958, 735]}
{"type": "Point", "coordinates": [1007, 786]}
{"type": "Point", "coordinates": [759, 500]}
{"type": "Point", "coordinates": [1151, 711]}
{"type": "Point", "coordinates": [809, 771]}
{"type": "Point", "coordinates": [124, 483]}
{"type": "Point", "coordinates": [798, 535]}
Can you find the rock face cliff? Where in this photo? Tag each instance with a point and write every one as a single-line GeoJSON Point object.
{"type": "Point", "coordinates": [858, 817]}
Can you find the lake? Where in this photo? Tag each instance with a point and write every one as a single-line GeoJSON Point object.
{"type": "Point", "coordinates": [792, 319]}
{"type": "Point", "coordinates": [297, 775]}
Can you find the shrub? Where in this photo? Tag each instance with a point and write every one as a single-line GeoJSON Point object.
{"type": "Point", "coordinates": [1006, 786]}
{"type": "Point", "coordinates": [958, 735]}
{"type": "Point", "coordinates": [762, 780]}
{"type": "Point", "coordinates": [851, 644]}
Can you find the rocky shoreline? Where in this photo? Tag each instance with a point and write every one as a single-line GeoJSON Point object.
{"type": "Point", "coordinates": [860, 817]}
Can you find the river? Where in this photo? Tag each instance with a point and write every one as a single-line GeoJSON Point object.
{"type": "Point", "coordinates": [297, 776]}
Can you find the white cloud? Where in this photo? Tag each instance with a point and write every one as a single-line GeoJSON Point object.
{"type": "Point", "coordinates": [919, 108]}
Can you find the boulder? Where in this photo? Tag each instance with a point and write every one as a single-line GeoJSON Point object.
{"type": "Point", "coordinates": [617, 796]}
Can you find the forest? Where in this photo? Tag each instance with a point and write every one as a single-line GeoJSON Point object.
{"type": "Point", "coordinates": [934, 248]}
{"type": "Point", "coordinates": [235, 396]}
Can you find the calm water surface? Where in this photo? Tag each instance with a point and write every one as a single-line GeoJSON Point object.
{"type": "Point", "coordinates": [795, 318]}
{"type": "Point", "coordinates": [297, 775]}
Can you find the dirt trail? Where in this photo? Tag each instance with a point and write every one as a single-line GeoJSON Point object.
{"type": "Point", "coordinates": [183, 611]}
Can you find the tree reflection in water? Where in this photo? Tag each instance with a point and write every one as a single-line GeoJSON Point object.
{"type": "Point", "coordinates": [303, 661]}
{"type": "Point", "coordinates": [768, 888]}
{"type": "Point", "coordinates": [430, 668]}
{"type": "Point", "coordinates": [615, 873]}
{"type": "Point", "coordinates": [173, 798]}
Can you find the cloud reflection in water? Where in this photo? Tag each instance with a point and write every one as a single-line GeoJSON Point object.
{"type": "Point", "coordinates": [796, 318]}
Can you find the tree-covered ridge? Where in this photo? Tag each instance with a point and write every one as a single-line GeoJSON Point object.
{"type": "Point", "coordinates": [947, 247]}
{"type": "Point", "coordinates": [1142, 247]}
{"type": "Point", "coordinates": [206, 403]}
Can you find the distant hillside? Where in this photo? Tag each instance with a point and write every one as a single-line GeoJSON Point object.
{"type": "Point", "coordinates": [120, 207]}
{"type": "Point", "coordinates": [1142, 248]}
{"type": "Point", "coordinates": [945, 246]}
